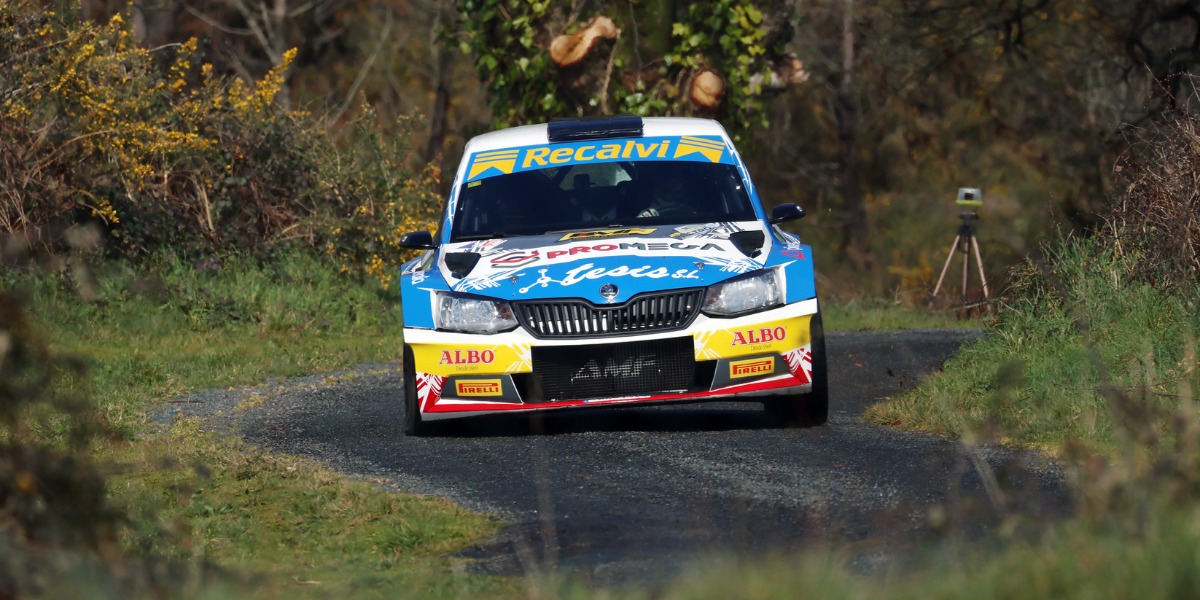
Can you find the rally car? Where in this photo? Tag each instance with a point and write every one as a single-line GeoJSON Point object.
{"type": "Point", "coordinates": [604, 262]}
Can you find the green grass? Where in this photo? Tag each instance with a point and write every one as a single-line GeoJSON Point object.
{"type": "Point", "coordinates": [170, 327]}
{"type": "Point", "coordinates": [872, 315]}
{"type": "Point", "coordinates": [290, 528]}
{"type": "Point", "coordinates": [1050, 370]}
{"type": "Point", "coordinates": [245, 523]}
{"type": "Point", "coordinates": [271, 526]}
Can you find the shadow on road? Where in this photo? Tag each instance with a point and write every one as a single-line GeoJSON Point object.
{"type": "Point", "coordinates": [709, 417]}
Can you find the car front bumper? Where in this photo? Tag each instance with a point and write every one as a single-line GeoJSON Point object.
{"type": "Point", "coordinates": [763, 354]}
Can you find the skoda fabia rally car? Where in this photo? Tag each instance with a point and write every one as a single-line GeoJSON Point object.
{"type": "Point", "coordinates": [609, 261]}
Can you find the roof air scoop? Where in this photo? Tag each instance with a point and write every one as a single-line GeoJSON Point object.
{"type": "Point", "coordinates": [594, 128]}
{"type": "Point", "coordinates": [461, 263]}
{"type": "Point", "coordinates": [749, 243]}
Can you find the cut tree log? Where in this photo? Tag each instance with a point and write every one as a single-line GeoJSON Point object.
{"type": "Point", "coordinates": [707, 89]}
{"type": "Point", "coordinates": [568, 49]}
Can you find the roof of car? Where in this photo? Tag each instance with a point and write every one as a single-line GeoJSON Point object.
{"type": "Point", "coordinates": [529, 135]}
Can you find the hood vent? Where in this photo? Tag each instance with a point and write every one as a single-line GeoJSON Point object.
{"type": "Point", "coordinates": [749, 243]}
{"type": "Point", "coordinates": [461, 263]}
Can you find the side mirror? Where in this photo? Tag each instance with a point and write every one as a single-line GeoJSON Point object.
{"type": "Point", "coordinates": [417, 240]}
{"type": "Point", "coordinates": [786, 212]}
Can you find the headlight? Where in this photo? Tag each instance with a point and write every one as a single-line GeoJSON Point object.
{"type": "Point", "coordinates": [752, 293]}
{"type": "Point", "coordinates": [472, 314]}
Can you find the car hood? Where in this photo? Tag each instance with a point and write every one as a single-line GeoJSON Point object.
{"type": "Point", "coordinates": [577, 264]}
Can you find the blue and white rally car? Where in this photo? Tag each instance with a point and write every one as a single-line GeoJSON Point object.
{"type": "Point", "coordinates": [609, 261]}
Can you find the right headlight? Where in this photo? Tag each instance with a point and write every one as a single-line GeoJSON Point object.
{"type": "Point", "coordinates": [744, 295]}
{"type": "Point", "coordinates": [472, 314]}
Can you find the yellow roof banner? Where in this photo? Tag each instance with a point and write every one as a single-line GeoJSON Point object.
{"type": "Point", "coordinates": [664, 148]}
{"type": "Point", "coordinates": [708, 148]}
{"type": "Point", "coordinates": [501, 160]}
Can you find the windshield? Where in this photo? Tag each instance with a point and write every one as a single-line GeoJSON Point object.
{"type": "Point", "coordinates": [610, 194]}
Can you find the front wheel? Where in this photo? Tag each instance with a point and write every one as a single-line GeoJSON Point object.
{"type": "Point", "coordinates": [413, 425]}
{"type": "Point", "coordinates": [809, 409]}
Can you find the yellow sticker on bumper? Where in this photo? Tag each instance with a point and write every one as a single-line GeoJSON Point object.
{"type": "Point", "coordinates": [467, 359]}
{"type": "Point", "coordinates": [777, 336]}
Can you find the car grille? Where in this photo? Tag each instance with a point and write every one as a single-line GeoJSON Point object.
{"type": "Point", "coordinates": [659, 311]}
{"type": "Point", "coordinates": [614, 370]}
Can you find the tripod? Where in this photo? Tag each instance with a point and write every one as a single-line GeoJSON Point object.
{"type": "Point", "coordinates": [964, 242]}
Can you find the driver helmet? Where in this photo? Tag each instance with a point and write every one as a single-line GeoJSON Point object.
{"type": "Point", "coordinates": [668, 192]}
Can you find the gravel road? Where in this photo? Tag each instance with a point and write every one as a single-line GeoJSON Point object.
{"type": "Point", "coordinates": [633, 495]}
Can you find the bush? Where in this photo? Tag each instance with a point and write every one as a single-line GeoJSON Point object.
{"type": "Point", "coordinates": [1156, 218]}
{"type": "Point", "coordinates": [167, 155]}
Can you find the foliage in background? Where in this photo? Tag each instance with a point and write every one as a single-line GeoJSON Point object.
{"type": "Point", "coordinates": [1025, 100]}
{"type": "Point", "coordinates": [388, 200]}
{"type": "Point", "coordinates": [95, 127]}
{"type": "Point", "coordinates": [504, 38]}
{"type": "Point", "coordinates": [165, 154]}
{"type": "Point", "coordinates": [732, 37]}
{"type": "Point", "coordinates": [509, 41]}
{"type": "Point", "coordinates": [1156, 222]}
{"type": "Point", "coordinates": [1101, 333]}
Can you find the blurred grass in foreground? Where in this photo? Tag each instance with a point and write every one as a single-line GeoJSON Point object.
{"type": "Point", "coordinates": [1079, 560]}
{"type": "Point", "coordinates": [209, 516]}
{"type": "Point", "coordinates": [237, 522]}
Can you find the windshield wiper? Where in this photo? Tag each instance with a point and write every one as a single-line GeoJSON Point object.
{"type": "Point", "coordinates": [496, 235]}
{"type": "Point", "coordinates": [588, 228]}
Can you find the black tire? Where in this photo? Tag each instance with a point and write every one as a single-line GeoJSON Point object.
{"type": "Point", "coordinates": [811, 409]}
{"type": "Point", "coordinates": [413, 425]}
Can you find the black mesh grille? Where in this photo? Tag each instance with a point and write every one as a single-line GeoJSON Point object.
{"type": "Point", "coordinates": [660, 311]}
{"type": "Point", "coordinates": [614, 370]}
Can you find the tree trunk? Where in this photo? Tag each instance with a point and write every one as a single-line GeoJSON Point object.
{"type": "Point", "coordinates": [441, 103]}
{"type": "Point", "coordinates": [854, 232]}
{"type": "Point", "coordinates": [442, 71]}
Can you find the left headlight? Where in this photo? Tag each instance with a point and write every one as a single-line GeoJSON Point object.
{"type": "Point", "coordinates": [752, 293]}
{"type": "Point", "coordinates": [473, 314]}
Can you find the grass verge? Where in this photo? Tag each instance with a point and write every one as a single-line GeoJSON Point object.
{"type": "Point", "coordinates": [289, 527]}
{"type": "Point", "coordinates": [1081, 334]}
{"type": "Point", "coordinates": [157, 331]}
{"type": "Point", "coordinates": [243, 523]}
{"type": "Point", "coordinates": [871, 315]}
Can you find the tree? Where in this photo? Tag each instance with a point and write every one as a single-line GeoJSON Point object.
{"type": "Point", "coordinates": [541, 60]}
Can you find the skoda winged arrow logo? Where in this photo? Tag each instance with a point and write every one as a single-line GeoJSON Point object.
{"type": "Point", "coordinates": [609, 291]}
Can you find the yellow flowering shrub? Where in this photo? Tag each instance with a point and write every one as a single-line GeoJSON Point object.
{"type": "Point", "coordinates": [389, 202]}
{"type": "Point", "coordinates": [166, 153]}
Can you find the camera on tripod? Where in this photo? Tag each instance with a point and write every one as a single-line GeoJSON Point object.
{"type": "Point", "coordinates": [969, 197]}
{"type": "Point", "coordinates": [965, 243]}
